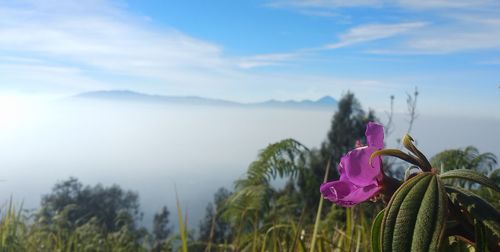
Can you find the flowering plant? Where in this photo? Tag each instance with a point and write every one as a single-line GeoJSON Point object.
{"type": "Point", "coordinates": [359, 179]}
{"type": "Point", "coordinates": [423, 213]}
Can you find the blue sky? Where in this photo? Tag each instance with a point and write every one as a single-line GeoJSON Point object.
{"type": "Point", "coordinates": [257, 50]}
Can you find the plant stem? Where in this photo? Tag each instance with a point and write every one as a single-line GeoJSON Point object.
{"type": "Point", "coordinates": [318, 213]}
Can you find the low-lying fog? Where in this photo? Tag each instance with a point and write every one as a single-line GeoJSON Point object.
{"type": "Point", "coordinates": [149, 148]}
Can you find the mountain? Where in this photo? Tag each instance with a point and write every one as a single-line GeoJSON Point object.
{"type": "Point", "coordinates": [325, 102]}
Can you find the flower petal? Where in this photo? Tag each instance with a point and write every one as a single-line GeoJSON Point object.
{"type": "Point", "coordinates": [357, 168]}
{"type": "Point", "coordinates": [359, 195]}
{"type": "Point", "coordinates": [346, 194]}
{"type": "Point", "coordinates": [375, 135]}
{"type": "Point", "coordinates": [336, 190]}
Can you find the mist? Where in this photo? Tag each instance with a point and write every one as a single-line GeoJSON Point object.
{"type": "Point", "coordinates": [155, 149]}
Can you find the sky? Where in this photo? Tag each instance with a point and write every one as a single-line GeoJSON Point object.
{"type": "Point", "coordinates": [258, 49]}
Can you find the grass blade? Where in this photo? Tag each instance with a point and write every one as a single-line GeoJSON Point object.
{"type": "Point", "coordinates": [182, 227]}
{"type": "Point", "coordinates": [318, 213]}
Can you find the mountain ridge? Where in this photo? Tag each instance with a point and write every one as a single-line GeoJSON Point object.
{"type": "Point", "coordinates": [127, 95]}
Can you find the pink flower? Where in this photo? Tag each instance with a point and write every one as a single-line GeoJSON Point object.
{"type": "Point", "coordinates": [359, 180]}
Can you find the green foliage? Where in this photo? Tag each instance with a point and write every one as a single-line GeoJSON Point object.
{"type": "Point", "coordinates": [318, 214]}
{"type": "Point", "coordinates": [470, 176]}
{"type": "Point", "coordinates": [472, 210]}
{"type": "Point", "coordinates": [182, 225]}
{"type": "Point", "coordinates": [17, 234]}
{"type": "Point", "coordinates": [285, 158]}
{"type": "Point", "coordinates": [469, 158]}
{"type": "Point", "coordinates": [347, 126]}
{"type": "Point", "coordinates": [70, 205]}
{"type": "Point", "coordinates": [415, 217]}
{"type": "Point", "coordinates": [419, 217]}
{"type": "Point", "coordinates": [161, 230]}
{"type": "Point", "coordinates": [214, 229]}
{"type": "Point", "coordinates": [64, 230]}
{"type": "Point", "coordinates": [376, 232]}
{"type": "Point", "coordinates": [422, 215]}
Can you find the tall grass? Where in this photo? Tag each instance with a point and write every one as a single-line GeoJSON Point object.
{"type": "Point", "coordinates": [182, 224]}
{"type": "Point", "coordinates": [320, 208]}
{"type": "Point", "coordinates": [18, 233]}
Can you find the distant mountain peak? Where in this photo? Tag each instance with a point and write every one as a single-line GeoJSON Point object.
{"type": "Point", "coordinates": [326, 102]}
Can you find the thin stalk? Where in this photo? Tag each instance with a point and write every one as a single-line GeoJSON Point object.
{"type": "Point", "coordinates": [255, 238]}
{"type": "Point", "coordinates": [318, 213]}
{"type": "Point", "coordinates": [211, 236]}
{"type": "Point", "coordinates": [240, 227]}
{"type": "Point", "coordinates": [349, 229]}
{"type": "Point", "coordinates": [358, 241]}
{"type": "Point", "coordinates": [182, 227]}
{"type": "Point", "coordinates": [298, 231]}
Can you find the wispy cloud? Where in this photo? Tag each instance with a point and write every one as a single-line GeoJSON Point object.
{"type": "Point", "coordinates": [370, 32]}
{"type": "Point", "coordinates": [438, 4]}
{"type": "Point", "coordinates": [450, 26]}
{"type": "Point", "coordinates": [267, 59]}
{"type": "Point", "coordinates": [73, 46]}
{"type": "Point", "coordinates": [461, 33]}
{"type": "Point", "coordinates": [322, 3]}
{"type": "Point", "coordinates": [408, 4]}
{"type": "Point", "coordinates": [99, 37]}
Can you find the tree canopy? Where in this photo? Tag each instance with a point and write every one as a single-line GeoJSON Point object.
{"type": "Point", "coordinates": [112, 206]}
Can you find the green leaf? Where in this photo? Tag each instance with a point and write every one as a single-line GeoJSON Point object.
{"type": "Point", "coordinates": [457, 244]}
{"type": "Point", "coordinates": [477, 208]}
{"type": "Point", "coordinates": [408, 144]}
{"type": "Point", "coordinates": [471, 176]}
{"type": "Point", "coordinates": [411, 172]}
{"type": "Point", "coordinates": [320, 208]}
{"type": "Point", "coordinates": [432, 213]}
{"type": "Point", "coordinates": [392, 210]}
{"type": "Point", "coordinates": [396, 153]}
{"type": "Point", "coordinates": [182, 226]}
{"type": "Point", "coordinates": [415, 217]}
{"type": "Point", "coordinates": [480, 235]}
{"type": "Point", "coordinates": [376, 232]}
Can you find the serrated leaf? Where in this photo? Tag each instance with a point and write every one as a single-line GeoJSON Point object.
{"type": "Point", "coordinates": [471, 176]}
{"type": "Point", "coordinates": [376, 232]}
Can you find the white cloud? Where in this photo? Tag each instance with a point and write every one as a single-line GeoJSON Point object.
{"type": "Point", "coordinates": [406, 4]}
{"type": "Point", "coordinates": [322, 3]}
{"type": "Point", "coordinates": [449, 26]}
{"type": "Point", "coordinates": [30, 76]}
{"type": "Point", "coordinates": [267, 59]}
{"type": "Point", "coordinates": [99, 38]}
{"type": "Point", "coordinates": [75, 46]}
{"type": "Point", "coordinates": [439, 4]}
{"type": "Point", "coordinates": [454, 42]}
{"type": "Point", "coordinates": [460, 33]}
{"type": "Point", "coordinates": [110, 39]}
{"type": "Point", "coordinates": [370, 32]}
{"type": "Point", "coordinates": [86, 45]}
